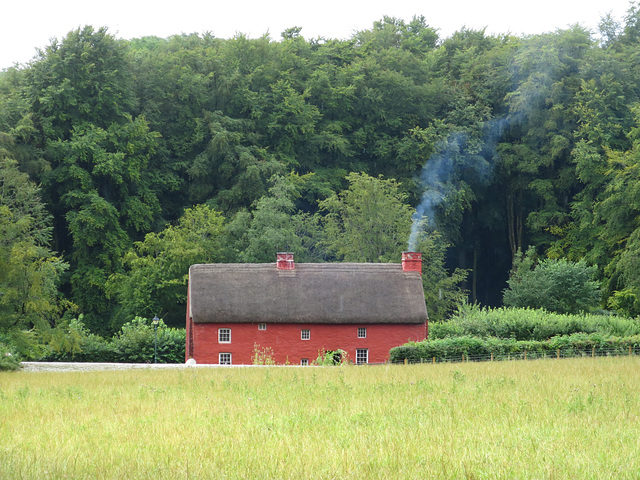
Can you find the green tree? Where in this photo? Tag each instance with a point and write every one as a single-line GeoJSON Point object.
{"type": "Point", "coordinates": [443, 290]}
{"type": "Point", "coordinates": [100, 180]}
{"type": "Point", "coordinates": [29, 271]}
{"type": "Point", "coordinates": [276, 225]}
{"type": "Point", "coordinates": [555, 285]}
{"type": "Point", "coordinates": [367, 222]}
{"type": "Point", "coordinates": [157, 269]}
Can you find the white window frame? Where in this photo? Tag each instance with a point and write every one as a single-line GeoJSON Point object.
{"type": "Point", "coordinates": [223, 333]}
{"type": "Point", "coordinates": [224, 362]}
{"type": "Point", "coordinates": [359, 356]}
{"type": "Point", "coordinates": [262, 326]}
{"type": "Point", "coordinates": [304, 362]}
{"type": "Point", "coordinates": [362, 332]}
{"type": "Point", "coordinates": [305, 334]}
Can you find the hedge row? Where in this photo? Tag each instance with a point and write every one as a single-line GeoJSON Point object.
{"type": "Point", "coordinates": [529, 324]}
{"type": "Point", "coordinates": [453, 349]}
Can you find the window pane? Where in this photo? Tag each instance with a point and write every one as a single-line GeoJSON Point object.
{"type": "Point", "coordinates": [362, 356]}
{"type": "Point", "coordinates": [224, 335]}
{"type": "Point", "coordinates": [362, 332]}
{"type": "Point", "coordinates": [224, 359]}
{"type": "Point", "coordinates": [305, 334]}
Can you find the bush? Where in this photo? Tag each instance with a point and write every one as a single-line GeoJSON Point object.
{"type": "Point", "coordinates": [556, 285]}
{"type": "Point", "coordinates": [136, 342]}
{"type": "Point", "coordinates": [70, 341]}
{"type": "Point", "coordinates": [9, 359]}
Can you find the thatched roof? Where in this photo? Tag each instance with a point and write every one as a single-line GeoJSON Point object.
{"type": "Point", "coordinates": [312, 293]}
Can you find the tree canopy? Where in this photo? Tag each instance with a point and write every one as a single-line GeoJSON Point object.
{"type": "Point", "coordinates": [326, 147]}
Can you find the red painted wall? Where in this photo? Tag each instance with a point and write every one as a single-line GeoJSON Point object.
{"type": "Point", "coordinates": [287, 346]}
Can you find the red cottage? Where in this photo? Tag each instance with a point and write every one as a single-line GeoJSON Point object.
{"type": "Point", "coordinates": [300, 310]}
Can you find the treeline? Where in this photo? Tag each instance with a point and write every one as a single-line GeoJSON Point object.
{"type": "Point", "coordinates": [123, 162]}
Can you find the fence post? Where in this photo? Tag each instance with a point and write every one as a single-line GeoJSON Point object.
{"type": "Point", "coordinates": [629, 350]}
{"type": "Point", "coordinates": [434, 360]}
{"type": "Point", "coordinates": [593, 351]}
{"type": "Point", "coordinates": [492, 356]}
{"type": "Point", "coordinates": [406, 361]}
{"type": "Point", "coordinates": [525, 354]}
{"type": "Point", "coordinates": [558, 353]}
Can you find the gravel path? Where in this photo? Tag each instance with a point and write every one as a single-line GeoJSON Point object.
{"type": "Point", "coordinates": [87, 367]}
{"type": "Point", "coordinates": [90, 367]}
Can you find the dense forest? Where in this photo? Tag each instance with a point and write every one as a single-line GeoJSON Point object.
{"type": "Point", "coordinates": [122, 162]}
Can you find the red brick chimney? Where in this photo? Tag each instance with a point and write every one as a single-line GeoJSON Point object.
{"type": "Point", "coordinates": [412, 262]}
{"type": "Point", "coordinates": [284, 261]}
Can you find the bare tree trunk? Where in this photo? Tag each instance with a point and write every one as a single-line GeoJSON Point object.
{"type": "Point", "coordinates": [474, 281]}
{"type": "Point", "coordinates": [514, 225]}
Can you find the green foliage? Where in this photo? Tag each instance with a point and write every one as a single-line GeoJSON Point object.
{"type": "Point", "coordinates": [368, 222]}
{"type": "Point", "coordinates": [455, 349]}
{"type": "Point", "coordinates": [9, 359]}
{"type": "Point", "coordinates": [443, 291]}
{"type": "Point", "coordinates": [262, 355]}
{"type": "Point", "coordinates": [276, 225]}
{"type": "Point", "coordinates": [29, 271]}
{"type": "Point", "coordinates": [330, 358]}
{"type": "Point", "coordinates": [625, 302]}
{"type": "Point", "coordinates": [157, 269]}
{"type": "Point", "coordinates": [539, 132]}
{"type": "Point", "coordinates": [70, 341]}
{"type": "Point", "coordinates": [555, 285]}
{"type": "Point", "coordinates": [134, 343]}
{"type": "Point", "coordinates": [528, 324]}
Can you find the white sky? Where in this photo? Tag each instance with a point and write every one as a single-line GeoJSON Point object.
{"type": "Point", "coordinates": [26, 25]}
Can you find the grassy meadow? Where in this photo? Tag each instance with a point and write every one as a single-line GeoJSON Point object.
{"type": "Point", "coordinates": [544, 419]}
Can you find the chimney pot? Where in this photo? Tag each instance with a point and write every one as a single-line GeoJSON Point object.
{"type": "Point", "coordinates": [284, 261]}
{"type": "Point", "coordinates": [412, 262]}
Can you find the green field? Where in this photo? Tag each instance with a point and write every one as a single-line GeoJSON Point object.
{"type": "Point", "coordinates": [545, 419]}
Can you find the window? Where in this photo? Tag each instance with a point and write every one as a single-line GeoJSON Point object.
{"type": "Point", "coordinates": [305, 334]}
{"type": "Point", "coordinates": [362, 356]}
{"type": "Point", "coordinates": [224, 335]}
{"type": "Point", "coordinates": [304, 362]}
{"type": "Point", "coordinates": [262, 326]}
{"type": "Point", "coordinates": [362, 332]}
{"type": "Point", "coordinates": [224, 359]}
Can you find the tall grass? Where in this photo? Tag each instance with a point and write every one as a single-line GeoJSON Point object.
{"type": "Point", "coordinates": [545, 419]}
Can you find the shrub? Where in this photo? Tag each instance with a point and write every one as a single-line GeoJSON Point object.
{"type": "Point", "coordinates": [9, 359]}
{"type": "Point", "coordinates": [136, 341]}
{"type": "Point", "coordinates": [556, 285]}
{"type": "Point", "coordinates": [134, 344]}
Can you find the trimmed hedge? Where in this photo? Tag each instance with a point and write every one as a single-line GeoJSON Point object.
{"type": "Point", "coordinates": [453, 349]}
{"type": "Point", "coordinates": [529, 324]}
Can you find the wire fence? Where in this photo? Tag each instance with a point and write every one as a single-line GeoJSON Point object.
{"type": "Point", "coordinates": [592, 352]}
